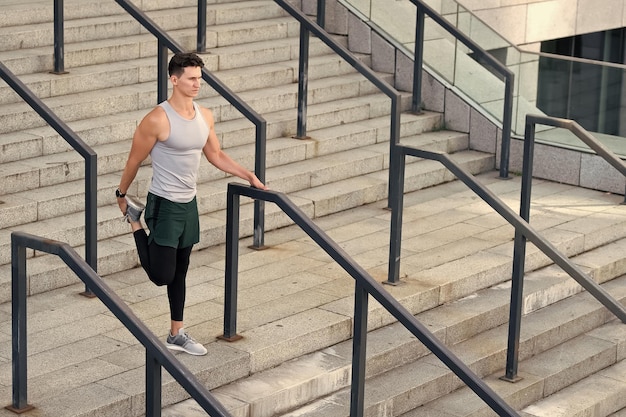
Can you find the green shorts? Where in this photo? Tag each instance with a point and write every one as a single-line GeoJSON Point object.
{"type": "Point", "coordinates": [175, 225]}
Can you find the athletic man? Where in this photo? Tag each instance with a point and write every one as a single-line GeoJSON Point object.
{"type": "Point", "coordinates": [174, 134]}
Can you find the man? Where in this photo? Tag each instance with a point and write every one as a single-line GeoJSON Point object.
{"type": "Point", "coordinates": [174, 134]}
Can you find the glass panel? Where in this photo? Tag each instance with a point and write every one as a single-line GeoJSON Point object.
{"type": "Point", "coordinates": [398, 20]}
{"type": "Point", "coordinates": [362, 6]}
{"type": "Point", "coordinates": [588, 92]}
{"type": "Point", "coordinates": [439, 51]}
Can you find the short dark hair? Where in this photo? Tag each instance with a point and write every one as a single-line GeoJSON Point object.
{"type": "Point", "coordinates": [181, 60]}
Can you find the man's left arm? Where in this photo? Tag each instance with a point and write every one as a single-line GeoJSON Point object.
{"type": "Point", "coordinates": [221, 160]}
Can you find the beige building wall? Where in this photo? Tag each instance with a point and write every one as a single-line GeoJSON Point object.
{"type": "Point", "coordinates": [528, 22]}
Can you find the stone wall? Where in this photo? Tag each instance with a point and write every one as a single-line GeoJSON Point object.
{"type": "Point", "coordinates": [528, 22]}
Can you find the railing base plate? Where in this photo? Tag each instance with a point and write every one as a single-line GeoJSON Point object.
{"type": "Point", "coordinates": [395, 284]}
{"type": "Point", "coordinates": [19, 410]}
{"type": "Point", "coordinates": [262, 247]}
{"type": "Point", "coordinates": [230, 339]}
{"type": "Point", "coordinates": [88, 294]}
{"type": "Point", "coordinates": [511, 380]}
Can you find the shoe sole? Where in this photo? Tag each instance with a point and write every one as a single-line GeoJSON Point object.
{"type": "Point", "coordinates": [182, 349]}
{"type": "Point", "coordinates": [135, 205]}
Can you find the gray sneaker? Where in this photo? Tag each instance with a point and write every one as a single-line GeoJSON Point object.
{"type": "Point", "coordinates": [134, 208]}
{"type": "Point", "coordinates": [185, 343]}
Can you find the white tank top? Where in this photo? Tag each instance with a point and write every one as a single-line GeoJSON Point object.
{"type": "Point", "coordinates": [176, 160]}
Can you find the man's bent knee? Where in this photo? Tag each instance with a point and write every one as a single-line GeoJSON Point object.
{"type": "Point", "coordinates": [161, 279]}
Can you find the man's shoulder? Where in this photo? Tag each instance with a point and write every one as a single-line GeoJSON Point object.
{"type": "Point", "coordinates": [206, 112]}
{"type": "Point", "coordinates": [155, 123]}
{"type": "Point", "coordinates": [156, 114]}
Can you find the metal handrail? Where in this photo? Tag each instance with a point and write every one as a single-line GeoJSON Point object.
{"type": "Point", "coordinates": [517, 280]}
{"type": "Point", "coordinates": [507, 118]}
{"type": "Point", "coordinates": [91, 161]}
{"type": "Point", "coordinates": [165, 42]}
{"type": "Point", "coordinates": [309, 26]}
{"type": "Point", "coordinates": [365, 285]}
{"type": "Point", "coordinates": [523, 231]}
{"type": "Point", "coordinates": [422, 10]}
{"type": "Point", "coordinates": [157, 355]}
{"type": "Point", "coordinates": [580, 132]}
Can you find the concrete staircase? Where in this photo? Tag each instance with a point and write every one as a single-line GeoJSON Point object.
{"type": "Point", "coordinates": [111, 85]}
{"type": "Point", "coordinates": [295, 305]}
{"type": "Point", "coordinates": [571, 350]}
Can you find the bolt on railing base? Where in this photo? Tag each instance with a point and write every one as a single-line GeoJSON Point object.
{"type": "Point", "coordinates": [230, 339]}
{"type": "Point", "coordinates": [300, 137]}
{"type": "Point", "coordinates": [19, 410]}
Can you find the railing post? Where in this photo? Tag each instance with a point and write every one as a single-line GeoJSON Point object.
{"type": "Point", "coordinates": [18, 328]}
{"type": "Point", "coordinates": [507, 120]}
{"type": "Point", "coordinates": [394, 141]}
{"type": "Point", "coordinates": [162, 75]}
{"type": "Point", "coordinates": [258, 239]}
{"type": "Point", "coordinates": [232, 265]}
{"type": "Point", "coordinates": [303, 82]}
{"type": "Point", "coordinates": [398, 159]}
{"type": "Point", "coordinates": [359, 347]}
{"type": "Point", "coordinates": [59, 42]}
{"type": "Point", "coordinates": [519, 259]}
{"type": "Point", "coordinates": [91, 216]}
{"type": "Point", "coordinates": [416, 102]}
{"type": "Point", "coordinates": [153, 386]}
{"type": "Point", "coordinates": [321, 13]}
{"type": "Point", "coordinates": [201, 26]}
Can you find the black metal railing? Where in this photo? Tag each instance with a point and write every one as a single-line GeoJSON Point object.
{"type": "Point", "coordinates": [416, 103]}
{"type": "Point", "coordinates": [523, 231]}
{"type": "Point", "coordinates": [365, 285]}
{"type": "Point", "coordinates": [307, 26]}
{"type": "Point", "coordinates": [483, 56]}
{"type": "Point", "coordinates": [59, 39]}
{"type": "Point", "coordinates": [157, 355]}
{"type": "Point", "coordinates": [91, 161]}
{"type": "Point", "coordinates": [165, 43]}
{"type": "Point", "coordinates": [521, 235]}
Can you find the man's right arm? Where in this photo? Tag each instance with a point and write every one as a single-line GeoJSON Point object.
{"type": "Point", "coordinates": [144, 139]}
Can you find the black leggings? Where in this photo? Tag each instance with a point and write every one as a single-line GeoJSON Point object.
{"type": "Point", "coordinates": [165, 266]}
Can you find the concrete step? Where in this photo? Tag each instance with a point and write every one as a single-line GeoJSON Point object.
{"type": "Point", "coordinates": [582, 377]}
{"type": "Point", "coordinates": [67, 199]}
{"type": "Point", "coordinates": [56, 168]}
{"type": "Point", "coordinates": [55, 208]}
{"type": "Point", "coordinates": [294, 301]}
{"type": "Point", "coordinates": [108, 125]}
{"type": "Point", "coordinates": [468, 323]}
{"type": "Point", "coordinates": [119, 73]}
{"type": "Point", "coordinates": [598, 395]}
{"type": "Point", "coordinates": [317, 201]}
{"type": "Point", "coordinates": [31, 12]}
{"type": "Point", "coordinates": [425, 382]}
{"type": "Point", "coordinates": [108, 50]}
{"type": "Point", "coordinates": [142, 95]}
{"type": "Point", "coordinates": [620, 413]}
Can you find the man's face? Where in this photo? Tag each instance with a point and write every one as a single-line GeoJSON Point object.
{"type": "Point", "coordinates": [189, 82]}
